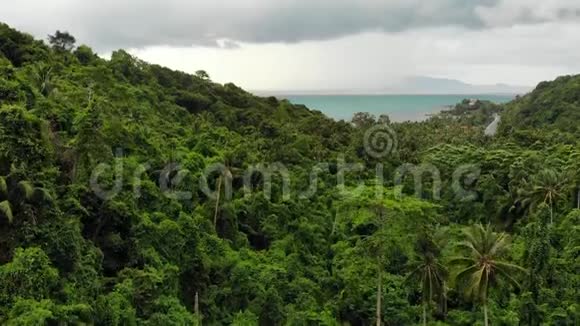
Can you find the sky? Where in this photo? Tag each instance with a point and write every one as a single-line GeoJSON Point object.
{"type": "Point", "coordinates": [325, 44]}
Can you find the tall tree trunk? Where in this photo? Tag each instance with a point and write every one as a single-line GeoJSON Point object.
{"type": "Point", "coordinates": [379, 292]}
{"type": "Point", "coordinates": [551, 213]}
{"type": "Point", "coordinates": [100, 224]}
{"type": "Point", "coordinates": [444, 299]}
{"type": "Point", "coordinates": [485, 321]}
{"type": "Point", "coordinates": [424, 314]}
{"type": "Point", "coordinates": [578, 199]}
{"type": "Point", "coordinates": [196, 310]}
{"type": "Point", "coordinates": [217, 202]}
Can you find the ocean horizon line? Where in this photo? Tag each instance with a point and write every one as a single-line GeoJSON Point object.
{"type": "Point", "coordinates": [306, 93]}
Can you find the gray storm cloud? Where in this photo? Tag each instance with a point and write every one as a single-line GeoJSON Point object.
{"type": "Point", "coordinates": [109, 24]}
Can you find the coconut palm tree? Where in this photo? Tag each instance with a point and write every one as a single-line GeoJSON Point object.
{"type": "Point", "coordinates": [482, 266]}
{"type": "Point", "coordinates": [225, 176]}
{"type": "Point", "coordinates": [428, 271]}
{"type": "Point", "coordinates": [548, 186]}
{"type": "Point", "coordinates": [376, 243]}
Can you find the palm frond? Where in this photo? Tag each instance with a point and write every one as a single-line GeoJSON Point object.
{"type": "Point", "coordinates": [3, 187]}
{"type": "Point", "coordinates": [475, 281]}
{"type": "Point", "coordinates": [469, 246]}
{"type": "Point", "coordinates": [510, 267]}
{"type": "Point", "coordinates": [41, 195]}
{"type": "Point", "coordinates": [508, 276]}
{"type": "Point", "coordinates": [461, 261]}
{"type": "Point", "coordinates": [6, 211]}
{"type": "Point", "coordinates": [500, 244]}
{"type": "Point", "coordinates": [26, 190]}
{"type": "Point", "coordinates": [413, 274]}
{"type": "Point", "coordinates": [483, 269]}
{"type": "Point", "coordinates": [441, 269]}
{"type": "Point", "coordinates": [464, 276]}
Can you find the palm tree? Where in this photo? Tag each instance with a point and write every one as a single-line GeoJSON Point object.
{"type": "Point", "coordinates": [14, 193]}
{"type": "Point", "coordinates": [482, 264]}
{"type": "Point", "coordinates": [376, 244]}
{"type": "Point", "coordinates": [89, 145]}
{"type": "Point", "coordinates": [573, 170]}
{"type": "Point", "coordinates": [428, 271]}
{"type": "Point", "coordinates": [370, 205]}
{"type": "Point", "coordinates": [548, 186]}
{"type": "Point", "coordinates": [42, 76]}
{"type": "Point", "coordinates": [226, 175]}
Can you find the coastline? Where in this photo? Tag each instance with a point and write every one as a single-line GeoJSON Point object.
{"type": "Point", "coordinates": [399, 107]}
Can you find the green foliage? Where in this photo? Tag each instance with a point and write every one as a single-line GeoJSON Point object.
{"type": "Point", "coordinates": [474, 113]}
{"type": "Point", "coordinates": [355, 253]}
{"type": "Point", "coordinates": [29, 275]}
{"type": "Point", "coordinates": [18, 195]}
{"type": "Point", "coordinates": [62, 41]}
{"type": "Point", "coordinates": [482, 267]}
{"type": "Point", "coordinates": [546, 187]}
{"type": "Point", "coordinates": [21, 136]}
{"type": "Point", "coordinates": [6, 211]}
{"type": "Point", "coordinates": [552, 105]}
{"type": "Point", "coordinates": [245, 318]}
{"type": "Point", "coordinates": [31, 312]}
{"type": "Point", "coordinates": [20, 48]}
{"type": "Point", "coordinates": [85, 55]}
{"type": "Point", "coordinates": [3, 187]}
{"type": "Point", "coordinates": [115, 309]}
{"type": "Point", "coordinates": [428, 271]}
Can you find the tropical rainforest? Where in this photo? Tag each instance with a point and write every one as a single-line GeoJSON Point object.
{"type": "Point", "coordinates": [125, 199]}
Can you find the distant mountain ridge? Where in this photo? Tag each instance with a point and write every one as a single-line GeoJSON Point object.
{"type": "Point", "coordinates": [430, 85]}
{"type": "Point", "coordinates": [414, 85]}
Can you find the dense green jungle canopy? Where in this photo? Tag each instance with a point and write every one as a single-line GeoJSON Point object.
{"type": "Point", "coordinates": [496, 242]}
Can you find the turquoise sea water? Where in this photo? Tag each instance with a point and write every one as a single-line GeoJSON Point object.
{"type": "Point", "coordinates": [398, 107]}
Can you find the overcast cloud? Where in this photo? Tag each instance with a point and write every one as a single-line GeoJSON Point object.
{"type": "Point", "coordinates": [367, 41]}
{"type": "Point", "coordinates": [110, 24]}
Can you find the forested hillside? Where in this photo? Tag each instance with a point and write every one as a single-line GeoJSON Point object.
{"type": "Point", "coordinates": [561, 96]}
{"type": "Point", "coordinates": [131, 194]}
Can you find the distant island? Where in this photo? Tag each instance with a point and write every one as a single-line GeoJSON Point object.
{"type": "Point", "coordinates": [413, 85]}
